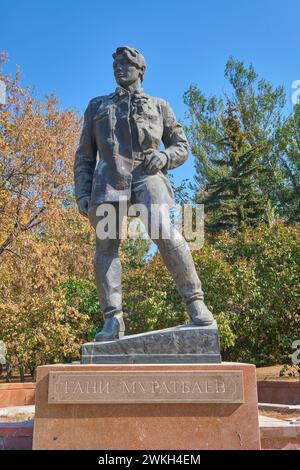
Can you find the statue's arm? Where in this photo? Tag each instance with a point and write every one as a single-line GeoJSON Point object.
{"type": "Point", "coordinates": [174, 139]}
{"type": "Point", "coordinates": [85, 157]}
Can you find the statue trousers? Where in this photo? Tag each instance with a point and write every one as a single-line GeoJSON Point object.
{"type": "Point", "coordinates": [151, 200]}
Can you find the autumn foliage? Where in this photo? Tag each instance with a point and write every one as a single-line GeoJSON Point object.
{"type": "Point", "coordinates": [43, 240]}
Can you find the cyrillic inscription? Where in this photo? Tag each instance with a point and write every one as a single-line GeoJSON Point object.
{"type": "Point", "coordinates": [146, 387]}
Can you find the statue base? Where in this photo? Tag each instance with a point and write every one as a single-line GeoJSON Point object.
{"type": "Point", "coordinates": [181, 344]}
{"type": "Point", "coordinates": [146, 406]}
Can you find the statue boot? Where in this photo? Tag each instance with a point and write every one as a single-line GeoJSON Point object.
{"type": "Point", "coordinates": [199, 314]}
{"type": "Point", "coordinates": [113, 328]}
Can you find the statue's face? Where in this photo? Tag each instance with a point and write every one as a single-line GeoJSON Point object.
{"type": "Point", "coordinates": [125, 72]}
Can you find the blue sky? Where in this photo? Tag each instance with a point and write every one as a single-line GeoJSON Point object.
{"type": "Point", "coordinates": [65, 46]}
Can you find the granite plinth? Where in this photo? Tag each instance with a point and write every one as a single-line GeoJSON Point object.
{"type": "Point", "coordinates": [181, 344]}
{"type": "Point", "coordinates": [113, 426]}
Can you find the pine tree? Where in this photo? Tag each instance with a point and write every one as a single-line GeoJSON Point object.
{"type": "Point", "coordinates": [289, 151]}
{"type": "Point", "coordinates": [231, 199]}
{"type": "Point", "coordinates": [239, 173]}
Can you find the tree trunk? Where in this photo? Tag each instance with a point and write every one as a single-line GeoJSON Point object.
{"type": "Point", "coordinates": [22, 374]}
{"type": "Point", "coordinates": [8, 372]}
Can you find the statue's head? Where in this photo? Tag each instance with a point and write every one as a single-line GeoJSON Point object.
{"type": "Point", "coordinates": [129, 65]}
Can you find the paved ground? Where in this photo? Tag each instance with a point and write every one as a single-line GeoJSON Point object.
{"type": "Point", "coordinates": [274, 373]}
{"type": "Point", "coordinates": [17, 413]}
{"type": "Point", "coordinates": [268, 422]}
{"type": "Point", "coordinates": [279, 407]}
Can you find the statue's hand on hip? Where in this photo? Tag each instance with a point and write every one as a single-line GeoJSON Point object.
{"type": "Point", "coordinates": [154, 161]}
{"type": "Point", "coordinates": [83, 205]}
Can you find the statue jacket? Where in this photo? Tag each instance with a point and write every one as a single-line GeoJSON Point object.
{"type": "Point", "coordinates": [117, 130]}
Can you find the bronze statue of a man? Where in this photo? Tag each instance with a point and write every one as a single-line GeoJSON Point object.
{"type": "Point", "coordinates": [125, 130]}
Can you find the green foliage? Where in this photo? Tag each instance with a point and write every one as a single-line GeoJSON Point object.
{"type": "Point", "coordinates": [288, 149]}
{"type": "Point", "coordinates": [234, 139]}
{"type": "Point", "coordinates": [151, 300]}
{"type": "Point", "coordinates": [252, 285]}
{"type": "Point", "coordinates": [265, 313]}
{"type": "Point", "coordinates": [232, 200]}
{"type": "Point", "coordinates": [134, 252]}
{"type": "Point", "coordinates": [82, 295]}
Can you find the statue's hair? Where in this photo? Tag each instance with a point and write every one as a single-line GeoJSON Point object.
{"type": "Point", "coordinates": [134, 56]}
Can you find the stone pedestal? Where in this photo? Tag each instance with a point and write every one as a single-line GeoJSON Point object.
{"type": "Point", "coordinates": [176, 345]}
{"type": "Point", "coordinates": [146, 406]}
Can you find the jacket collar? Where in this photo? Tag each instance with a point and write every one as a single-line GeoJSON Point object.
{"type": "Point", "coordinates": [137, 94]}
